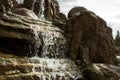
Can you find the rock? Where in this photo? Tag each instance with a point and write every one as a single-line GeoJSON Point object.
{"type": "Point", "coordinates": [8, 5]}
{"type": "Point", "coordinates": [61, 22]}
{"type": "Point", "coordinates": [51, 9]}
{"type": "Point", "coordinates": [37, 69]}
{"type": "Point", "coordinates": [92, 72]}
{"type": "Point", "coordinates": [18, 34]}
{"type": "Point", "coordinates": [25, 12]}
{"type": "Point", "coordinates": [118, 51]}
{"type": "Point", "coordinates": [48, 9]}
{"type": "Point", "coordinates": [76, 11]}
{"type": "Point", "coordinates": [34, 5]}
{"type": "Point", "coordinates": [101, 72]}
{"type": "Point", "coordinates": [111, 72]}
{"type": "Point", "coordinates": [28, 36]}
{"type": "Point", "coordinates": [62, 17]}
{"type": "Point", "coordinates": [90, 39]}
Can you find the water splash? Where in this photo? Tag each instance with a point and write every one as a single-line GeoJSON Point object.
{"type": "Point", "coordinates": [52, 40]}
{"type": "Point", "coordinates": [55, 69]}
{"type": "Point", "coordinates": [54, 44]}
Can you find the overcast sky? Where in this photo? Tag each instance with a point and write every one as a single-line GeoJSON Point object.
{"type": "Point", "coordinates": [109, 10]}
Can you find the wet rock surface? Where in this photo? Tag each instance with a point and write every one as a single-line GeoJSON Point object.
{"type": "Point", "coordinates": [25, 12]}
{"type": "Point", "coordinates": [37, 69]}
{"type": "Point", "coordinates": [24, 35]}
{"type": "Point", "coordinates": [89, 53]}
{"type": "Point", "coordinates": [50, 8]}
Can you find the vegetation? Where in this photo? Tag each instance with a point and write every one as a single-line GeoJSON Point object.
{"type": "Point", "coordinates": [117, 39]}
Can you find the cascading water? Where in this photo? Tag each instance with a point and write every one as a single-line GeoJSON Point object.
{"type": "Point", "coordinates": [42, 16]}
{"type": "Point", "coordinates": [51, 63]}
{"type": "Point", "coordinates": [55, 69]}
{"type": "Point", "coordinates": [41, 11]}
{"type": "Point", "coordinates": [54, 44]}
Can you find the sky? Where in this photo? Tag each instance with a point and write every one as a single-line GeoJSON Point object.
{"type": "Point", "coordinates": [109, 10]}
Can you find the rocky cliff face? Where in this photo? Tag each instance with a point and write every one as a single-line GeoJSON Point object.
{"type": "Point", "coordinates": [90, 50]}
{"type": "Point", "coordinates": [89, 38]}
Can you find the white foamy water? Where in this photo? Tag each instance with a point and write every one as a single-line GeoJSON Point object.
{"type": "Point", "coordinates": [55, 69]}
{"type": "Point", "coordinates": [54, 44]}
{"type": "Point", "coordinates": [52, 40]}
{"type": "Point", "coordinates": [118, 57]}
{"type": "Point", "coordinates": [49, 65]}
{"type": "Point", "coordinates": [42, 8]}
{"type": "Point", "coordinates": [42, 16]}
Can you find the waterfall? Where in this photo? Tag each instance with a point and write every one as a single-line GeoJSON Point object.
{"type": "Point", "coordinates": [41, 11]}
{"type": "Point", "coordinates": [51, 63]}
{"type": "Point", "coordinates": [55, 69]}
{"type": "Point", "coordinates": [33, 4]}
{"type": "Point", "coordinates": [54, 44]}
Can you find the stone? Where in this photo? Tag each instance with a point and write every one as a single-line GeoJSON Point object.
{"type": "Point", "coordinates": [49, 9]}
{"type": "Point", "coordinates": [101, 72]}
{"type": "Point", "coordinates": [8, 5]}
{"type": "Point", "coordinates": [25, 12]}
{"type": "Point", "coordinates": [117, 51]}
{"type": "Point", "coordinates": [61, 22]}
{"type": "Point", "coordinates": [76, 11]}
{"type": "Point", "coordinates": [37, 69]}
{"type": "Point", "coordinates": [90, 39]}
{"type": "Point", "coordinates": [92, 72]}
{"type": "Point", "coordinates": [25, 35]}
{"type": "Point", "coordinates": [62, 17]}
{"type": "Point", "coordinates": [17, 34]}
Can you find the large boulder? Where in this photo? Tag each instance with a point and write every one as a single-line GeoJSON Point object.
{"type": "Point", "coordinates": [76, 10]}
{"type": "Point", "coordinates": [90, 39]}
{"type": "Point", "coordinates": [8, 5]}
{"type": "Point", "coordinates": [48, 9]}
